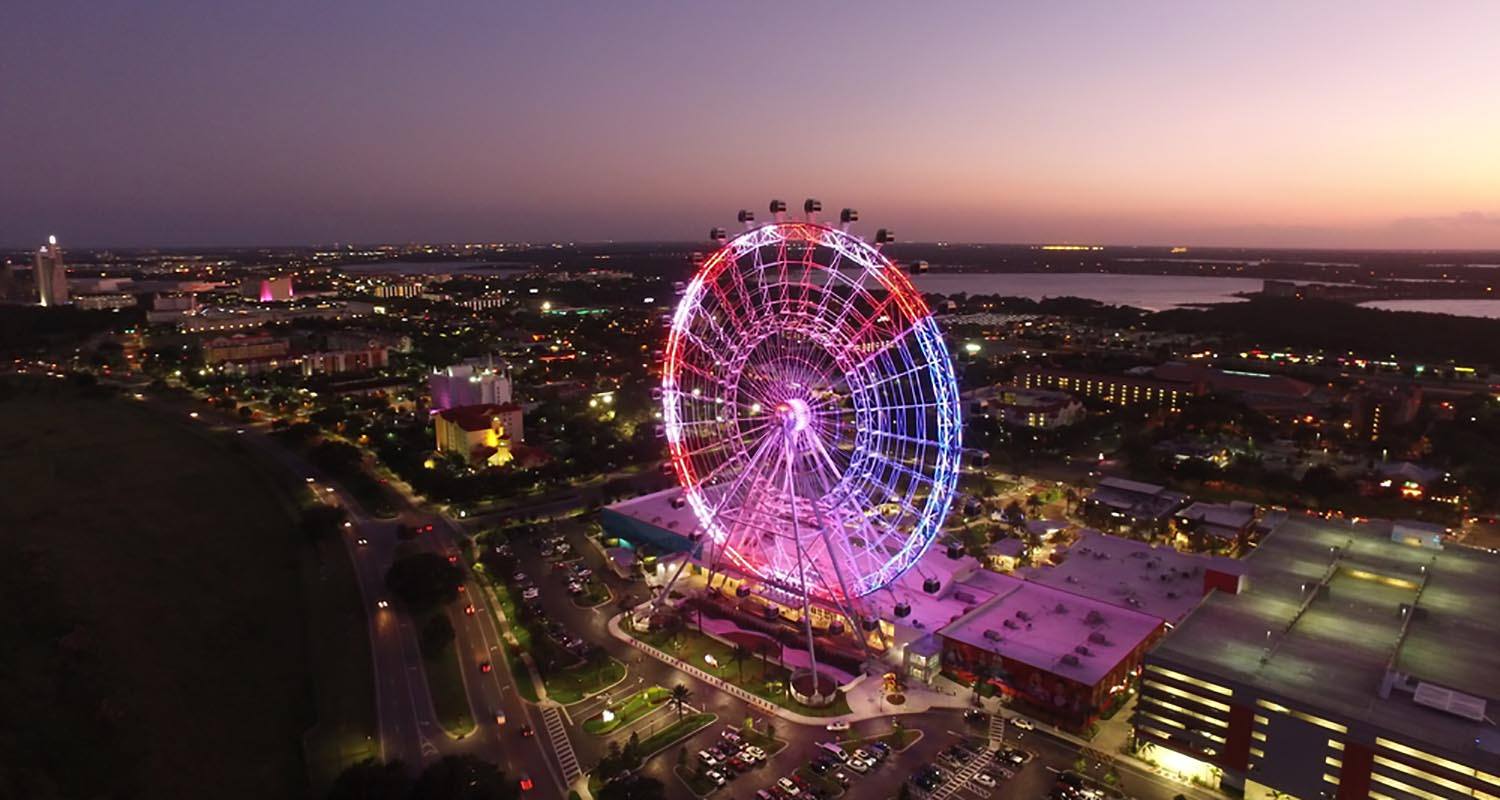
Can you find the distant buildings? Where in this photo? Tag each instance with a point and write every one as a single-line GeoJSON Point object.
{"type": "Point", "coordinates": [268, 290]}
{"type": "Point", "coordinates": [246, 355]}
{"type": "Point", "coordinates": [483, 435]}
{"type": "Point", "coordinates": [1170, 385]}
{"type": "Point", "coordinates": [357, 359]}
{"type": "Point", "coordinates": [104, 300]}
{"type": "Point", "coordinates": [1360, 662]}
{"type": "Point", "coordinates": [1118, 389]}
{"type": "Point", "coordinates": [1376, 408]}
{"type": "Point", "coordinates": [1027, 408]}
{"type": "Point", "coordinates": [477, 381]}
{"type": "Point", "coordinates": [50, 274]}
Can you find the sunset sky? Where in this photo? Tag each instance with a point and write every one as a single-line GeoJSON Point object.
{"type": "Point", "coordinates": [1360, 124]}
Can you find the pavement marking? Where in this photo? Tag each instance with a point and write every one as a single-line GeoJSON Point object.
{"type": "Point", "coordinates": [561, 745]}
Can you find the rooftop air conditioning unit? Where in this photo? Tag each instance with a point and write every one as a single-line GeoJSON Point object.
{"type": "Point", "coordinates": [993, 635]}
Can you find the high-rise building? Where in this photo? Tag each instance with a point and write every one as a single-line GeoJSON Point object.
{"type": "Point", "coordinates": [477, 381]}
{"type": "Point", "coordinates": [51, 275]}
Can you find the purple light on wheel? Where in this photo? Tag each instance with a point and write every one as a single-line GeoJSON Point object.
{"type": "Point", "coordinates": [811, 410]}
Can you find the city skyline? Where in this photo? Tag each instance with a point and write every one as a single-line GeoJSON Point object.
{"type": "Point", "coordinates": [1340, 126]}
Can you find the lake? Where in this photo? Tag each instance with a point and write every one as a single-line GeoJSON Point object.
{"type": "Point", "coordinates": [1151, 292]}
{"type": "Point", "coordinates": [1460, 308]}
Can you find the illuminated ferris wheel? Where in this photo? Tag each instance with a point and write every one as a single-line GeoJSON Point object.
{"type": "Point", "coordinates": [810, 409]}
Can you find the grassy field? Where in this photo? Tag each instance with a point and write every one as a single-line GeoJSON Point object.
{"type": "Point", "coordinates": [572, 685]}
{"type": "Point", "coordinates": [160, 605]}
{"type": "Point", "coordinates": [450, 700]}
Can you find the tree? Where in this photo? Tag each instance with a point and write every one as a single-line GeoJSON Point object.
{"type": "Point", "coordinates": [437, 635]}
{"type": "Point", "coordinates": [679, 697]}
{"type": "Point", "coordinates": [463, 778]}
{"type": "Point", "coordinates": [320, 522]}
{"type": "Point", "coordinates": [638, 787]}
{"type": "Point", "coordinates": [371, 780]}
{"type": "Point", "coordinates": [632, 751]}
{"type": "Point", "coordinates": [423, 581]}
{"type": "Point", "coordinates": [337, 457]}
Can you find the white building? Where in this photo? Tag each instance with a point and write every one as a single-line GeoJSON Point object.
{"type": "Point", "coordinates": [477, 381]}
{"type": "Point", "coordinates": [51, 275]}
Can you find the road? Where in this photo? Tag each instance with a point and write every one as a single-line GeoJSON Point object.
{"type": "Point", "coordinates": [409, 729]}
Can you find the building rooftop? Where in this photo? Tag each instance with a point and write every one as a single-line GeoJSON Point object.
{"type": "Point", "coordinates": [1053, 630]}
{"type": "Point", "coordinates": [476, 418]}
{"type": "Point", "coordinates": [1155, 580]}
{"type": "Point", "coordinates": [1332, 649]}
{"type": "Point", "coordinates": [1135, 498]}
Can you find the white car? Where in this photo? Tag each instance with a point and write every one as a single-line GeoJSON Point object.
{"type": "Point", "coordinates": [707, 758]}
{"type": "Point", "coordinates": [788, 787]}
{"type": "Point", "coordinates": [984, 780]}
{"type": "Point", "coordinates": [715, 776]}
{"type": "Point", "coordinates": [760, 755]}
{"type": "Point", "coordinates": [864, 755]}
{"type": "Point", "coordinates": [530, 594]}
{"type": "Point", "coordinates": [1023, 724]}
{"type": "Point", "coordinates": [858, 765]}
{"type": "Point", "coordinates": [838, 725]}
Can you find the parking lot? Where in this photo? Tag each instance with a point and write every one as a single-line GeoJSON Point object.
{"type": "Point", "coordinates": [935, 764]}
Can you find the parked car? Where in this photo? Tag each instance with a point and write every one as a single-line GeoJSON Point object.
{"type": "Point", "coordinates": [788, 787]}
{"type": "Point", "coordinates": [838, 725]}
{"type": "Point", "coordinates": [1022, 723]}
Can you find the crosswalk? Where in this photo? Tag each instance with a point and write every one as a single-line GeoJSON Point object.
{"type": "Point", "coordinates": [964, 776]}
{"type": "Point", "coordinates": [561, 744]}
{"type": "Point", "coordinates": [997, 731]}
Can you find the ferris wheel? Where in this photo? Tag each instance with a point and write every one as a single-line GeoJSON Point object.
{"type": "Point", "coordinates": [810, 409]}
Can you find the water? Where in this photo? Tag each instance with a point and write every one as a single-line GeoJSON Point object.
{"type": "Point", "coordinates": [432, 268]}
{"type": "Point", "coordinates": [1151, 292]}
{"type": "Point", "coordinates": [1489, 309]}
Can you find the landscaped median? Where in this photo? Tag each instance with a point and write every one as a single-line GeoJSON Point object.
{"type": "Point", "coordinates": [634, 754]}
{"type": "Point", "coordinates": [450, 701]}
{"type": "Point", "coordinates": [620, 714]}
{"type": "Point", "coordinates": [758, 676]}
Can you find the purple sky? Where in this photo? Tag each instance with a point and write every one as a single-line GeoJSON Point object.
{"type": "Point", "coordinates": [1300, 124]}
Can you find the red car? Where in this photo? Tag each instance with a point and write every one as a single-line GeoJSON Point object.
{"type": "Point", "coordinates": [484, 666]}
{"type": "Point", "coordinates": [526, 783]}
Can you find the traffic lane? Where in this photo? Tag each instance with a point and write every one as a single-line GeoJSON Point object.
{"type": "Point", "coordinates": [495, 690]}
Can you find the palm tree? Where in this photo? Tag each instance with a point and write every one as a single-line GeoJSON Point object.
{"type": "Point", "coordinates": [738, 655]}
{"type": "Point", "coordinates": [679, 697]}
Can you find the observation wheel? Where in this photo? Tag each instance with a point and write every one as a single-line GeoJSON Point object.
{"type": "Point", "coordinates": [810, 410]}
